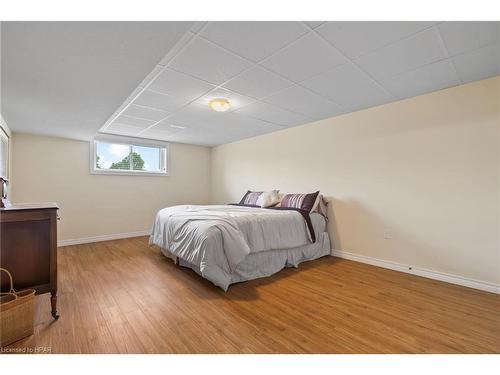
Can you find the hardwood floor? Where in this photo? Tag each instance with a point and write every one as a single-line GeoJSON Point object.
{"type": "Point", "coordinates": [125, 297]}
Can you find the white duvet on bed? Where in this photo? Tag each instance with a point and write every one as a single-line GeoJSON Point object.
{"type": "Point", "coordinates": [216, 239]}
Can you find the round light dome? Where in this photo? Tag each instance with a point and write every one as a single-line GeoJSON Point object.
{"type": "Point", "coordinates": [219, 104]}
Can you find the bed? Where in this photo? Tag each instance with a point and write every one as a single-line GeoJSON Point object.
{"type": "Point", "coordinates": [227, 244]}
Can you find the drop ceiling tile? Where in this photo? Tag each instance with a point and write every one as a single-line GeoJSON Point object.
{"type": "Point", "coordinates": [230, 127]}
{"type": "Point", "coordinates": [208, 62]}
{"type": "Point", "coordinates": [460, 37]}
{"type": "Point", "coordinates": [156, 100]}
{"type": "Point", "coordinates": [407, 54]}
{"type": "Point", "coordinates": [161, 132]}
{"type": "Point", "coordinates": [303, 101]}
{"type": "Point", "coordinates": [208, 130]}
{"type": "Point", "coordinates": [314, 24]}
{"type": "Point", "coordinates": [240, 127]}
{"type": "Point", "coordinates": [125, 104]}
{"type": "Point", "coordinates": [253, 40]}
{"type": "Point", "coordinates": [258, 83]}
{"type": "Point", "coordinates": [238, 124]}
{"type": "Point", "coordinates": [272, 114]}
{"type": "Point", "coordinates": [429, 78]}
{"type": "Point", "coordinates": [157, 135]}
{"type": "Point", "coordinates": [120, 129]}
{"type": "Point", "coordinates": [200, 137]}
{"type": "Point", "coordinates": [168, 125]}
{"type": "Point", "coordinates": [236, 100]}
{"type": "Point", "coordinates": [357, 38]}
{"type": "Point", "coordinates": [150, 76]}
{"type": "Point", "coordinates": [178, 47]}
{"type": "Point", "coordinates": [349, 87]}
{"type": "Point", "coordinates": [144, 112]}
{"type": "Point", "coordinates": [180, 85]}
{"type": "Point", "coordinates": [133, 121]}
{"type": "Point", "coordinates": [248, 126]}
{"type": "Point", "coordinates": [197, 26]}
{"type": "Point", "coordinates": [133, 95]}
{"type": "Point", "coordinates": [304, 58]}
{"type": "Point", "coordinates": [193, 116]}
{"type": "Point", "coordinates": [479, 64]}
{"type": "Point", "coordinates": [198, 117]}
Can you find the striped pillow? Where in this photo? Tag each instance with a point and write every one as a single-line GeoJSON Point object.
{"type": "Point", "coordinates": [250, 198]}
{"type": "Point", "coordinates": [302, 201]}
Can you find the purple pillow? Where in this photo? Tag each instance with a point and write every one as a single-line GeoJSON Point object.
{"type": "Point", "coordinates": [301, 201]}
{"type": "Point", "coordinates": [250, 198]}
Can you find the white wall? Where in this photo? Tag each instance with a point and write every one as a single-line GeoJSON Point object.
{"type": "Point", "coordinates": [425, 168]}
{"type": "Point", "coordinates": [48, 169]}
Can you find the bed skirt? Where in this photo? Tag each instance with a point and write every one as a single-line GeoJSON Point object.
{"type": "Point", "coordinates": [262, 264]}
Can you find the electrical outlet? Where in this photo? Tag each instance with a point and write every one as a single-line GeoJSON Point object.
{"type": "Point", "coordinates": [388, 234]}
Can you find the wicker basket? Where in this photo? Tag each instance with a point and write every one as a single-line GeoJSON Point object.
{"type": "Point", "coordinates": [16, 313]}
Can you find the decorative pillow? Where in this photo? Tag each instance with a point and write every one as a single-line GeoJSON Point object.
{"type": "Point", "coordinates": [268, 198]}
{"type": "Point", "coordinates": [302, 201]}
{"type": "Point", "coordinates": [320, 206]}
{"type": "Point", "coordinates": [250, 198]}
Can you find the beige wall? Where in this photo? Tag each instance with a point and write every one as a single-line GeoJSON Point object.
{"type": "Point", "coordinates": [426, 168]}
{"type": "Point", "coordinates": [48, 169]}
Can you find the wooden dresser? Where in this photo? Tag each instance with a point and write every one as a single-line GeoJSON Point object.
{"type": "Point", "coordinates": [28, 248]}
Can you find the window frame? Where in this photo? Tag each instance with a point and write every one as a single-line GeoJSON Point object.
{"type": "Point", "coordinates": [130, 142]}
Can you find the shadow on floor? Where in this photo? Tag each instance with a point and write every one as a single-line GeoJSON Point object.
{"type": "Point", "coordinates": [242, 291]}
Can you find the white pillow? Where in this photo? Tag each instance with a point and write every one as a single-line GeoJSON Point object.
{"type": "Point", "coordinates": [268, 198]}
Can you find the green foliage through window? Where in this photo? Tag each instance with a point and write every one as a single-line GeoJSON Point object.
{"type": "Point", "coordinates": [137, 163]}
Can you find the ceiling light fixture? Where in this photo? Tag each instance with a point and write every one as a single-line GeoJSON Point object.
{"type": "Point", "coordinates": [219, 104]}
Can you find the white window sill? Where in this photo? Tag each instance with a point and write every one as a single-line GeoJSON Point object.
{"type": "Point", "coordinates": [128, 173]}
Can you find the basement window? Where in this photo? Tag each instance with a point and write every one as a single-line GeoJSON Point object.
{"type": "Point", "coordinates": [138, 158]}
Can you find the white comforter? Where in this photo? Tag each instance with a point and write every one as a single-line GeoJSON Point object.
{"type": "Point", "coordinates": [212, 237]}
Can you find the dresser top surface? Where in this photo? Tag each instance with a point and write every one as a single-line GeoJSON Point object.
{"type": "Point", "coordinates": [30, 206]}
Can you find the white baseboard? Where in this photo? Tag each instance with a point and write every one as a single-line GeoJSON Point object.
{"type": "Point", "coordinates": [106, 237]}
{"type": "Point", "coordinates": [453, 279]}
